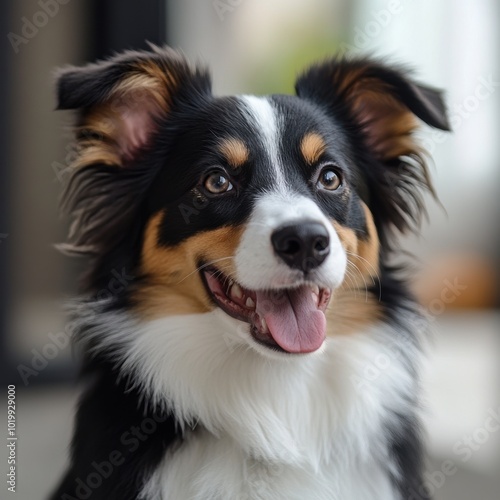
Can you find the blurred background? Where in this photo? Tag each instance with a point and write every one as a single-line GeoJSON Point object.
{"type": "Point", "coordinates": [259, 46]}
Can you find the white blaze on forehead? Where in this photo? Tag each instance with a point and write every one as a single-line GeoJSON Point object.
{"type": "Point", "coordinates": [266, 122]}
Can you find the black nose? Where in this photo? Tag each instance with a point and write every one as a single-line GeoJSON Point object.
{"type": "Point", "coordinates": [304, 245]}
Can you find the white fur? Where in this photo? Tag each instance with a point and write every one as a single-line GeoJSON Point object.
{"type": "Point", "coordinates": [257, 265]}
{"type": "Point", "coordinates": [301, 427]}
{"type": "Point", "coordinates": [264, 119]}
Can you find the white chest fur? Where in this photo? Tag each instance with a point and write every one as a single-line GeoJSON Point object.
{"type": "Point", "coordinates": [312, 426]}
{"type": "Point", "coordinates": [209, 468]}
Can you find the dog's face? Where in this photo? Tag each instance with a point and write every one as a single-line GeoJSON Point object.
{"type": "Point", "coordinates": [271, 209]}
{"type": "Point", "coordinates": [254, 189]}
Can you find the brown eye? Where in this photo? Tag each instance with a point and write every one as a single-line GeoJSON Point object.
{"type": "Point", "coordinates": [217, 183]}
{"type": "Point", "coordinates": [329, 179]}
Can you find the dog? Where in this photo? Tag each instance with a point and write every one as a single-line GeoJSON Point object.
{"type": "Point", "coordinates": [261, 344]}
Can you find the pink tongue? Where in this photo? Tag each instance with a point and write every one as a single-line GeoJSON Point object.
{"type": "Point", "coordinates": [294, 320]}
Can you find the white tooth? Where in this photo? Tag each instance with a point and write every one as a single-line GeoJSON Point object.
{"type": "Point", "coordinates": [250, 303]}
{"type": "Point", "coordinates": [236, 291]}
{"type": "Point", "coordinates": [315, 289]}
{"type": "Point", "coordinates": [263, 325]}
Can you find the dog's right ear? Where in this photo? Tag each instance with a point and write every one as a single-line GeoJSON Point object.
{"type": "Point", "coordinates": [122, 103]}
{"type": "Point", "coordinates": [123, 98]}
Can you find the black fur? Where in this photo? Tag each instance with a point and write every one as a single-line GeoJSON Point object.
{"type": "Point", "coordinates": [405, 436]}
{"type": "Point", "coordinates": [83, 87]}
{"type": "Point", "coordinates": [117, 440]}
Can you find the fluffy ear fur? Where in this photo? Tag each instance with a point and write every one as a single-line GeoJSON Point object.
{"type": "Point", "coordinates": [123, 98]}
{"type": "Point", "coordinates": [122, 102]}
{"type": "Point", "coordinates": [381, 105]}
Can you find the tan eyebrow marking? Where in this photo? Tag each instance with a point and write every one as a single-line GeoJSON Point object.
{"type": "Point", "coordinates": [312, 147]}
{"type": "Point", "coordinates": [235, 151]}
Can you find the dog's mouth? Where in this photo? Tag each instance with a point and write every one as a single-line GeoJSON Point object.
{"type": "Point", "coordinates": [288, 320]}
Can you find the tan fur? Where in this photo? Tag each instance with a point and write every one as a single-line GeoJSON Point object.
{"type": "Point", "coordinates": [352, 311]}
{"type": "Point", "coordinates": [312, 147]}
{"type": "Point", "coordinates": [347, 237]}
{"type": "Point", "coordinates": [96, 152]}
{"type": "Point", "coordinates": [173, 284]}
{"type": "Point", "coordinates": [387, 123]}
{"type": "Point", "coordinates": [235, 151]}
{"type": "Point", "coordinates": [352, 307]}
{"type": "Point", "coordinates": [148, 82]}
{"type": "Point", "coordinates": [146, 90]}
{"type": "Point", "coordinates": [368, 249]}
{"type": "Point", "coordinates": [362, 254]}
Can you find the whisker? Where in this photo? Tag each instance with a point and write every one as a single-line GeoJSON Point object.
{"type": "Point", "coordinates": [373, 276]}
{"type": "Point", "coordinates": [351, 282]}
{"type": "Point", "coordinates": [367, 263]}
{"type": "Point", "coordinates": [207, 264]}
{"type": "Point", "coordinates": [362, 277]}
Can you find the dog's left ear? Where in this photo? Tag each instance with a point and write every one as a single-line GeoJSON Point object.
{"type": "Point", "coordinates": [382, 100]}
{"type": "Point", "coordinates": [379, 107]}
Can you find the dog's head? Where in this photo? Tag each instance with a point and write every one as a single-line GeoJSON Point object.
{"type": "Point", "coordinates": [269, 208]}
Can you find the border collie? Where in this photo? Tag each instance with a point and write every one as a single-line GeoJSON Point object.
{"type": "Point", "coordinates": [263, 346]}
